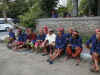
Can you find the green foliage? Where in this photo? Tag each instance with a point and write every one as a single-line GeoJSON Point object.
{"type": "Point", "coordinates": [61, 10]}
{"type": "Point", "coordinates": [93, 7]}
{"type": "Point", "coordinates": [47, 6]}
{"type": "Point", "coordinates": [37, 9]}
{"type": "Point", "coordinates": [28, 10]}
{"type": "Point", "coordinates": [4, 7]}
{"type": "Point", "coordinates": [69, 6]}
{"type": "Point", "coordinates": [28, 18]}
{"type": "Point", "coordinates": [17, 8]}
{"type": "Point", "coordinates": [85, 38]}
{"type": "Point", "coordinates": [83, 8]}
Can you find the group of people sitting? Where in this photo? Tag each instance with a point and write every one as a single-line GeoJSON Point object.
{"type": "Point", "coordinates": [56, 44]}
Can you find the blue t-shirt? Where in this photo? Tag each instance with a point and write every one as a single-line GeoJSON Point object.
{"type": "Point", "coordinates": [76, 42]}
{"type": "Point", "coordinates": [24, 37]}
{"type": "Point", "coordinates": [95, 46]}
{"type": "Point", "coordinates": [67, 36]}
{"type": "Point", "coordinates": [91, 40]}
{"type": "Point", "coordinates": [60, 42]}
{"type": "Point", "coordinates": [41, 37]}
{"type": "Point", "coordinates": [20, 38]}
{"type": "Point", "coordinates": [12, 35]}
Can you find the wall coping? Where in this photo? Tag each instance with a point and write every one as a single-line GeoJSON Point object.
{"type": "Point", "coordinates": [69, 19]}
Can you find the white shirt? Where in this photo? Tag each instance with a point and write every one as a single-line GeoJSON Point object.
{"type": "Point", "coordinates": [51, 38]}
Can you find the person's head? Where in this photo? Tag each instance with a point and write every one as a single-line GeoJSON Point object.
{"type": "Point", "coordinates": [19, 31]}
{"type": "Point", "coordinates": [29, 31]}
{"type": "Point", "coordinates": [50, 31]}
{"type": "Point", "coordinates": [98, 35]}
{"type": "Point", "coordinates": [75, 34]}
{"type": "Point", "coordinates": [59, 33]}
{"type": "Point", "coordinates": [10, 30]}
{"type": "Point", "coordinates": [45, 29]}
{"type": "Point", "coordinates": [70, 30]}
{"type": "Point", "coordinates": [61, 29]}
{"type": "Point", "coordinates": [41, 31]}
{"type": "Point", "coordinates": [97, 30]}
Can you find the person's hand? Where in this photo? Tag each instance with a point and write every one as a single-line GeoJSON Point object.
{"type": "Point", "coordinates": [38, 40]}
{"type": "Point", "coordinates": [88, 47]}
{"type": "Point", "coordinates": [69, 45]}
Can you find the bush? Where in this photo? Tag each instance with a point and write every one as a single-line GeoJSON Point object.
{"type": "Point", "coordinates": [29, 18]}
{"type": "Point", "coordinates": [62, 10]}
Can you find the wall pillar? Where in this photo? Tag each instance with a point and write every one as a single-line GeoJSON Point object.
{"type": "Point", "coordinates": [98, 7]}
{"type": "Point", "coordinates": [75, 7]}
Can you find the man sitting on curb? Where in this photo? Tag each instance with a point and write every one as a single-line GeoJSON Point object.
{"type": "Point", "coordinates": [74, 48]}
{"type": "Point", "coordinates": [49, 42]}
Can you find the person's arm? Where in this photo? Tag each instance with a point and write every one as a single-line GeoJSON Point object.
{"type": "Point", "coordinates": [93, 46]}
{"type": "Point", "coordinates": [80, 42]}
{"type": "Point", "coordinates": [90, 40]}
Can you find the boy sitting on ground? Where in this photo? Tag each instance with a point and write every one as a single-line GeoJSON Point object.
{"type": "Point", "coordinates": [60, 44]}
{"type": "Point", "coordinates": [74, 48]}
{"type": "Point", "coordinates": [31, 38]}
{"type": "Point", "coordinates": [19, 42]}
{"type": "Point", "coordinates": [93, 37]}
{"type": "Point", "coordinates": [40, 39]}
{"type": "Point", "coordinates": [49, 42]}
{"type": "Point", "coordinates": [11, 38]}
{"type": "Point", "coordinates": [95, 53]}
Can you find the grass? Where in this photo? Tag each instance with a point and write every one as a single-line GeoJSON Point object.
{"type": "Point", "coordinates": [85, 38]}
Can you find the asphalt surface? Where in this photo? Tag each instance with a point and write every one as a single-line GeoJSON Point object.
{"type": "Point", "coordinates": [2, 33]}
{"type": "Point", "coordinates": [27, 63]}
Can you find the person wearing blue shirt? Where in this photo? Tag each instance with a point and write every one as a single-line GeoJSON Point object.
{"type": "Point", "coordinates": [59, 47]}
{"type": "Point", "coordinates": [69, 34]}
{"type": "Point", "coordinates": [92, 38]}
{"type": "Point", "coordinates": [40, 38]}
{"type": "Point", "coordinates": [19, 43]}
{"type": "Point", "coordinates": [11, 38]}
{"type": "Point", "coordinates": [74, 48]}
{"type": "Point", "coordinates": [25, 37]}
{"type": "Point", "coordinates": [11, 34]}
{"type": "Point", "coordinates": [20, 38]}
{"type": "Point", "coordinates": [95, 52]}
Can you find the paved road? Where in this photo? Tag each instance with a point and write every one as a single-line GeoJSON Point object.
{"type": "Point", "coordinates": [2, 33]}
{"type": "Point", "coordinates": [25, 63]}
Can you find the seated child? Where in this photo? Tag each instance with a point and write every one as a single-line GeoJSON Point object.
{"type": "Point", "coordinates": [74, 48]}
{"type": "Point", "coordinates": [88, 43]}
{"type": "Point", "coordinates": [31, 38]}
{"type": "Point", "coordinates": [60, 44]}
{"type": "Point", "coordinates": [24, 35]}
{"type": "Point", "coordinates": [69, 34]}
{"type": "Point", "coordinates": [11, 38]}
{"type": "Point", "coordinates": [19, 42]}
{"type": "Point", "coordinates": [40, 39]}
{"type": "Point", "coordinates": [95, 52]}
{"type": "Point", "coordinates": [49, 42]}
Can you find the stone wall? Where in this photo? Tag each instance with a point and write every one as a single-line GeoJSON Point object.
{"type": "Point", "coordinates": [85, 25]}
